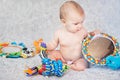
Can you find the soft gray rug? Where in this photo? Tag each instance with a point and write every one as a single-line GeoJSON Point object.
{"type": "Point", "coordinates": [28, 20]}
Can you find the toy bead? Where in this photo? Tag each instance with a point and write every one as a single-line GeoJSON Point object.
{"type": "Point", "coordinates": [60, 64]}
{"type": "Point", "coordinates": [46, 73]}
{"type": "Point", "coordinates": [60, 74]}
{"type": "Point", "coordinates": [14, 43]}
{"type": "Point", "coordinates": [43, 45]}
{"type": "Point", "coordinates": [44, 60]}
{"type": "Point", "coordinates": [22, 45]}
{"type": "Point", "coordinates": [44, 67]}
{"type": "Point", "coordinates": [4, 44]}
{"type": "Point", "coordinates": [40, 71]}
{"type": "Point", "coordinates": [31, 71]}
{"type": "Point", "coordinates": [3, 55]}
{"type": "Point", "coordinates": [25, 48]}
{"type": "Point", "coordinates": [43, 49]}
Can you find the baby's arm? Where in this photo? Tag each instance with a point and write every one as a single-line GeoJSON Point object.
{"type": "Point", "coordinates": [54, 43]}
{"type": "Point", "coordinates": [95, 32]}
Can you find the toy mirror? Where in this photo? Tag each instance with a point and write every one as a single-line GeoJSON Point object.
{"type": "Point", "coordinates": [11, 49]}
{"type": "Point", "coordinates": [10, 52]}
{"type": "Point", "coordinates": [97, 48]}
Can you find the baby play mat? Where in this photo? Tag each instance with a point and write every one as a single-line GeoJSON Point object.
{"type": "Point", "coordinates": [97, 48]}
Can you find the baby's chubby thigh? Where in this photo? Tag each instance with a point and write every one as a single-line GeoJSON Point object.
{"type": "Point", "coordinates": [55, 55]}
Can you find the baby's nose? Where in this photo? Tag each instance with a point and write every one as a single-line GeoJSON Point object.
{"type": "Point", "coordinates": [78, 27]}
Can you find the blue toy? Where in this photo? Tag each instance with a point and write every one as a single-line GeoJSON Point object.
{"type": "Point", "coordinates": [53, 67]}
{"type": "Point", "coordinates": [113, 62]}
{"type": "Point", "coordinates": [48, 68]}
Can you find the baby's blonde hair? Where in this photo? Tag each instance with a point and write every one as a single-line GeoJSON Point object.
{"type": "Point", "coordinates": [67, 6]}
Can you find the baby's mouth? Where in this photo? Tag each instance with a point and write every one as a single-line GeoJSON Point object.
{"type": "Point", "coordinates": [78, 29]}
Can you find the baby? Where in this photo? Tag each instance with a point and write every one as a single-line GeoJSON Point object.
{"type": "Point", "coordinates": [69, 37]}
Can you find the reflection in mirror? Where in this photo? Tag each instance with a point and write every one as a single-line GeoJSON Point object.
{"type": "Point", "coordinates": [100, 47]}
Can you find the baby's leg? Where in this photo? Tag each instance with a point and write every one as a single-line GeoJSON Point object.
{"type": "Point", "coordinates": [55, 55]}
{"type": "Point", "coordinates": [79, 65]}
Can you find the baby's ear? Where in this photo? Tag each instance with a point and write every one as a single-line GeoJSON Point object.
{"type": "Point", "coordinates": [62, 20]}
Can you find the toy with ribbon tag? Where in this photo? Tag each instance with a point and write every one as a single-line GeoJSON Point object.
{"type": "Point", "coordinates": [48, 68]}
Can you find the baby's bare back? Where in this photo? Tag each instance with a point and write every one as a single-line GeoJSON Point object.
{"type": "Point", "coordinates": [70, 44]}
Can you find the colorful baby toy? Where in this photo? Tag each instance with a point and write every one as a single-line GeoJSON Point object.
{"type": "Point", "coordinates": [22, 50]}
{"type": "Point", "coordinates": [43, 50]}
{"type": "Point", "coordinates": [87, 54]}
{"type": "Point", "coordinates": [113, 62]}
{"type": "Point", "coordinates": [49, 67]}
{"type": "Point", "coordinates": [37, 45]}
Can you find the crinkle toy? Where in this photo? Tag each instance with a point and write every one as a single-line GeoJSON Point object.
{"type": "Point", "coordinates": [113, 62]}
{"type": "Point", "coordinates": [48, 68]}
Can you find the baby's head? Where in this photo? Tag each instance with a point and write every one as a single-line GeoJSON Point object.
{"type": "Point", "coordinates": [72, 16]}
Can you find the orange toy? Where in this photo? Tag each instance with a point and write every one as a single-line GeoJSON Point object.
{"type": "Point", "coordinates": [37, 45]}
{"type": "Point", "coordinates": [4, 44]}
{"type": "Point", "coordinates": [31, 71]}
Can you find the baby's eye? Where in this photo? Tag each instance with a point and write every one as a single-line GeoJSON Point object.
{"type": "Point", "coordinates": [81, 22]}
{"type": "Point", "coordinates": [76, 23]}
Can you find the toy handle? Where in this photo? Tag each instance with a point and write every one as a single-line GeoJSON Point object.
{"type": "Point", "coordinates": [43, 50]}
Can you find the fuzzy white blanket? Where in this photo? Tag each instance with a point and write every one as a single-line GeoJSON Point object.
{"type": "Point", "coordinates": [29, 20]}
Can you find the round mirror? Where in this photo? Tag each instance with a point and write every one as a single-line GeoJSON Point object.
{"type": "Point", "coordinates": [11, 49]}
{"type": "Point", "coordinates": [97, 48]}
{"type": "Point", "coordinates": [11, 52]}
{"type": "Point", "coordinates": [100, 48]}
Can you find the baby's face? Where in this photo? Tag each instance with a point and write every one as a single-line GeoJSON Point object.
{"type": "Point", "coordinates": [74, 22]}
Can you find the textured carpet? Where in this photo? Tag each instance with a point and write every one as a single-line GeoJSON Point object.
{"type": "Point", "coordinates": [28, 20]}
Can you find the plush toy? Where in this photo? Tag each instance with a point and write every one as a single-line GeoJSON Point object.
{"type": "Point", "coordinates": [113, 62]}
{"type": "Point", "coordinates": [37, 45]}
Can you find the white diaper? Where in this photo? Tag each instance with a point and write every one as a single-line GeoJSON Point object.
{"type": "Point", "coordinates": [69, 62]}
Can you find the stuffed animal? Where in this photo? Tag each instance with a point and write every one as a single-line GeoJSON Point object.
{"type": "Point", "coordinates": [113, 62]}
{"type": "Point", "coordinates": [37, 45]}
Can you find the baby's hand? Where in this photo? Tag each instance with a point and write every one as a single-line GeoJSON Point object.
{"type": "Point", "coordinates": [95, 32]}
